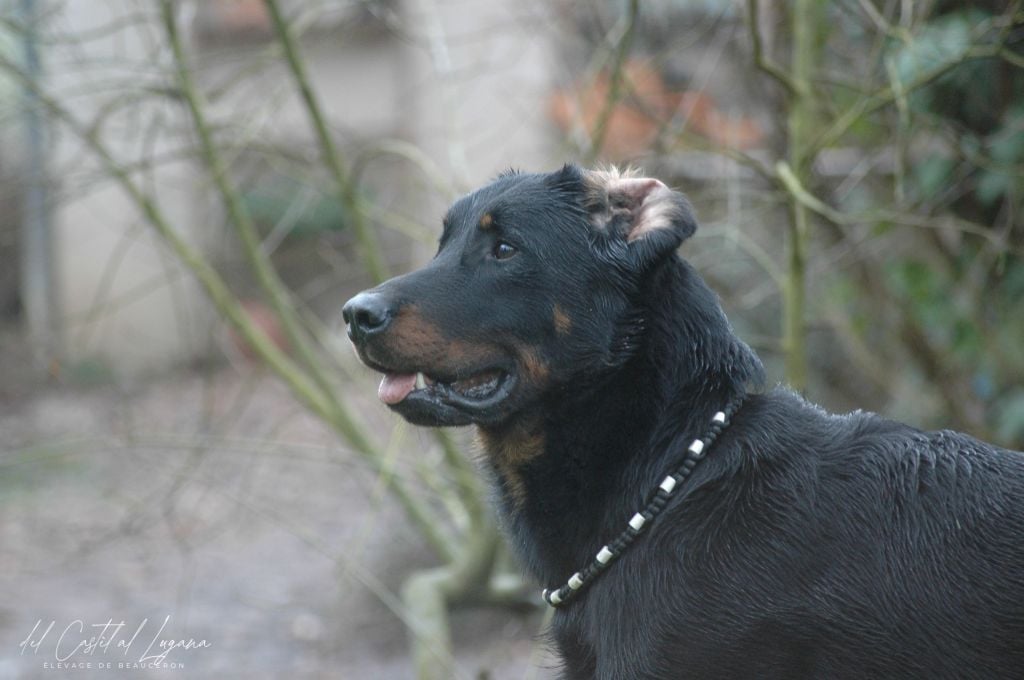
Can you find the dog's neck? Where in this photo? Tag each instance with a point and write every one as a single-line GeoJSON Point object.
{"type": "Point", "coordinates": [562, 467]}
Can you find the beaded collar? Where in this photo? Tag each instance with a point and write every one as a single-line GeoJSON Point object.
{"type": "Point", "coordinates": [658, 500]}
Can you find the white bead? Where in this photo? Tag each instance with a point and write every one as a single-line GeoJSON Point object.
{"type": "Point", "coordinates": [637, 522]}
{"type": "Point", "coordinates": [553, 598]}
{"type": "Point", "coordinates": [719, 417]}
{"type": "Point", "coordinates": [697, 446]}
{"type": "Point", "coordinates": [668, 484]}
{"type": "Point", "coordinates": [544, 594]}
{"type": "Point", "coordinates": [575, 581]}
{"type": "Point", "coordinates": [605, 555]}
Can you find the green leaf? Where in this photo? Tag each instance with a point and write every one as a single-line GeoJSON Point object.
{"type": "Point", "coordinates": [939, 43]}
{"type": "Point", "coordinates": [1010, 419]}
{"type": "Point", "coordinates": [1006, 145]}
{"type": "Point", "coordinates": [992, 185]}
{"type": "Point", "coordinates": [932, 174]}
{"type": "Point", "coordinates": [966, 338]}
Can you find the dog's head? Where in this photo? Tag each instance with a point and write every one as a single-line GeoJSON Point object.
{"type": "Point", "coordinates": [531, 292]}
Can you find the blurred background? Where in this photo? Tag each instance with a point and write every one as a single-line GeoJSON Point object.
{"type": "Point", "coordinates": [189, 191]}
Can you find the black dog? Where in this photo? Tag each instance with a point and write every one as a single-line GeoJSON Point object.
{"type": "Point", "coordinates": [558, 318]}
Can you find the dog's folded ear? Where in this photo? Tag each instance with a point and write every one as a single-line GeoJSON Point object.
{"type": "Point", "coordinates": [651, 219]}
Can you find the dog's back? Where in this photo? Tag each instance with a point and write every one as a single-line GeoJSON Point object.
{"type": "Point", "coordinates": [824, 546]}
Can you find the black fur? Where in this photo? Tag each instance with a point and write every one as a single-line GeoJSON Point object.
{"type": "Point", "coordinates": [806, 545]}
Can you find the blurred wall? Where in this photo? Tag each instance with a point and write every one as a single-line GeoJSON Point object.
{"type": "Point", "coordinates": [126, 306]}
{"type": "Point", "coordinates": [463, 80]}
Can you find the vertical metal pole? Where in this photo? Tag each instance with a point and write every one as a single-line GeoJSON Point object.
{"type": "Point", "coordinates": [37, 271]}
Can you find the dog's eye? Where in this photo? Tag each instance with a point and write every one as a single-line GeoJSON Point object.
{"type": "Point", "coordinates": [503, 250]}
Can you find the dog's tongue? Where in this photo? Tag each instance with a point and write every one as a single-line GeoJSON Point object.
{"type": "Point", "coordinates": [395, 387]}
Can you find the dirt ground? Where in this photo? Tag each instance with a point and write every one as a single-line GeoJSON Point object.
{"type": "Point", "coordinates": [207, 506]}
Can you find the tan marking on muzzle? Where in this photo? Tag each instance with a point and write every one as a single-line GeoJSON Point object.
{"type": "Point", "coordinates": [416, 340]}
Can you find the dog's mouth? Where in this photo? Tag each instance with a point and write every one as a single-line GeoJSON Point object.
{"type": "Point", "coordinates": [434, 400]}
{"type": "Point", "coordinates": [396, 387]}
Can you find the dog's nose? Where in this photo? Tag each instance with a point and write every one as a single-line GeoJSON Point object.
{"type": "Point", "coordinates": [366, 314]}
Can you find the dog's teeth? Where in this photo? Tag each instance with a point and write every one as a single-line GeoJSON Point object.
{"type": "Point", "coordinates": [421, 381]}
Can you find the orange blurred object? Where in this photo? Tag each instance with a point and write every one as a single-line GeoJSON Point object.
{"type": "Point", "coordinates": [647, 104]}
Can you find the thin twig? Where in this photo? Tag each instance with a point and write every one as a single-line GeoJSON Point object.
{"type": "Point", "coordinates": [1012, 57]}
{"type": "Point", "coordinates": [615, 84]}
{"type": "Point", "coordinates": [347, 187]}
{"type": "Point", "coordinates": [760, 59]}
{"type": "Point", "coordinates": [347, 193]}
{"type": "Point", "coordinates": [409, 152]}
{"type": "Point", "coordinates": [339, 418]}
{"type": "Point", "coordinates": [790, 182]}
{"type": "Point", "coordinates": [242, 222]}
{"type": "Point", "coordinates": [887, 95]}
{"type": "Point", "coordinates": [806, 22]}
{"type": "Point", "coordinates": [226, 303]}
{"type": "Point", "coordinates": [211, 281]}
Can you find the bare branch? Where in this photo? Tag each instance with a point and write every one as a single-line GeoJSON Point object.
{"type": "Point", "coordinates": [1012, 57]}
{"type": "Point", "coordinates": [347, 192]}
{"type": "Point", "coordinates": [615, 84]}
{"type": "Point", "coordinates": [887, 95]}
{"type": "Point", "coordinates": [760, 59]}
{"type": "Point", "coordinates": [790, 182]}
{"type": "Point", "coordinates": [307, 393]}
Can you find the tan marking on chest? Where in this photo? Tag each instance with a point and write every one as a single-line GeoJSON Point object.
{"type": "Point", "coordinates": [509, 449]}
{"type": "Point", "coordinates": [563, 324]}
{"type": "Point", "coordinates": [535, 369]}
